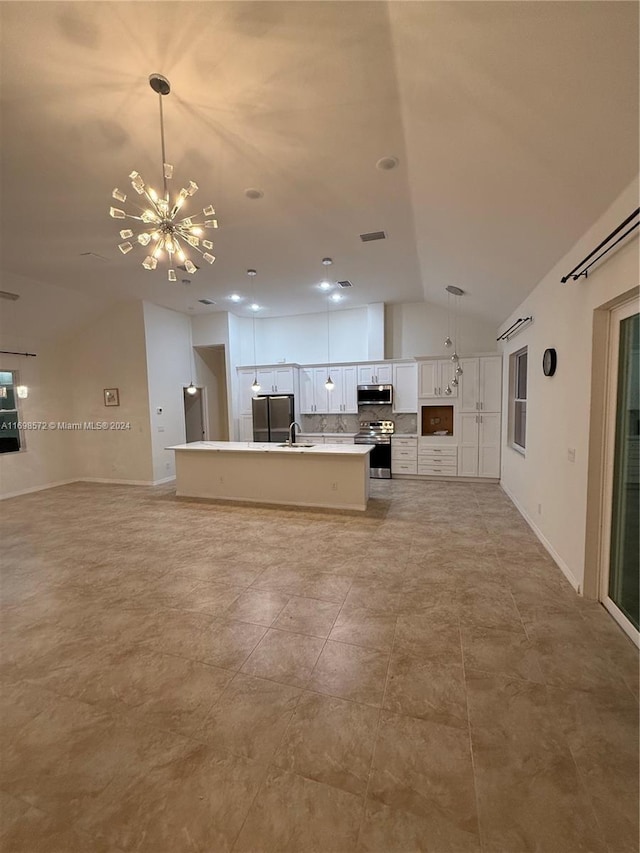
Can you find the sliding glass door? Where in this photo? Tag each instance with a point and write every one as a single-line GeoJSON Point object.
{"type": "Point", "coordinates": [620, 580]}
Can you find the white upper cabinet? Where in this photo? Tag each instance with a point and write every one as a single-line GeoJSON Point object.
{"type": "Point", "coordinates": [343, 398]}
{"type": "Point", "coordinates": [481, 384]}
{"type": "Point", "coordinates": [405, 387]}
{"type": "Point", "coordinates": [434, 376]}
{"type": "Point", "coordinates": [314, 397]}
{"type": "Point", "coordinates": [277, 380]}
{"type": "Point", "coordinates": [375, 374]}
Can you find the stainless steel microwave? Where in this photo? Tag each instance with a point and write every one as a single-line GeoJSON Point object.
{"type": "Point", "coordinates": [375, 395]}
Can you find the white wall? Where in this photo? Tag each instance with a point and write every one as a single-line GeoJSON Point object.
{"type": "Point", "coordinates": [419, 328]}
{"type": "Point", "coordinates": [170, 370]}
{"type": "Point", "coordinates": [558, 408]}
{"type": "Point", "coordinates": [303, 338]}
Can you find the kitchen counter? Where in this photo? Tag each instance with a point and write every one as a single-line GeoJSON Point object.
{"type": "Point", "coordinates": [324, 475]}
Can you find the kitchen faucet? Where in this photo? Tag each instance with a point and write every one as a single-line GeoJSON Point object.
{"type": "Point", "coordinates": [291, 426]}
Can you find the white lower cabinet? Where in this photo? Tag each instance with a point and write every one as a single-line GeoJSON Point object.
{"type": "Point", "coordinates": [404, 455]}
{"type": "Point", "coordinates": [437, 460]}
{"type": "Point", "coordinates": [479, 445]}
{"type": "Point", "coordinates": [245, 428]}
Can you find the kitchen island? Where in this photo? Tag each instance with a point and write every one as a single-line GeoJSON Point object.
{"type": "Point", "coordinates": [323, 475]}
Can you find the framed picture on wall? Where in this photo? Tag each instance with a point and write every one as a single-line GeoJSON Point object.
{"type": "Point", "coordinates": [111, 397]}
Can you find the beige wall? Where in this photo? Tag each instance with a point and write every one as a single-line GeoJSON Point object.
{"type": "Point", "coordinates": [559, 408]}
{"type": "Point", "coordinates": [110, 353]}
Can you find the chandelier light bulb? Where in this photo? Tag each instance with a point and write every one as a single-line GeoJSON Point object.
{"type": "Point", "coordinates": [459, 371]}
{"type": "Point", "coordinates": [206, 243]}
{"type": "Point", "coordinates": [448, 342]}
{"type": "Point", "coordinates": [191, 389]}
{"type": "Point", "coordinates": [447, 390]}
{"type": "Point", "coordinates": [454, 381]}
{"type": "Point", "coordinates": [454, 357]}
{"type": "Point", "coordinates": [158, 218]}
{"type": "Point", "coordinates": [329, 384]}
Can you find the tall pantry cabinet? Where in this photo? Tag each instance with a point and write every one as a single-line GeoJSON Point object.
{"type": "Point", "coordinates": [479, 413]}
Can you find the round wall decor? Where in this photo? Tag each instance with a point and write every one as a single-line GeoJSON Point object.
{"type": "Point", "coordinates": [549, 362]}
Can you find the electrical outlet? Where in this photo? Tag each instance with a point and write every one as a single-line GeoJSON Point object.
{"type": "Point", "coordinates": [334, 487]}
{"type": "Point", "coordinates": [160, 429]}
{"type": "Point", "coordinates": [571, 454]}
{"type": "Point", "coordinates": [167, 465]}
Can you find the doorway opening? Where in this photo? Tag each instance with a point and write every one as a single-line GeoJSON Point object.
{"type": "Point", "coordinates": [194, 415]}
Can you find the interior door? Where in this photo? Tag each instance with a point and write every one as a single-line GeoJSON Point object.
{"type": "Point", "coordinates": [620, 558]}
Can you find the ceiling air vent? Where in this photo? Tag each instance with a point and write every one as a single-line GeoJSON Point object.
{"type": "Point", "coordinates": [344, 283]}
{"type": "Point", "coordinates": [373, 235]}
{"type": "Point", "coordinates": [207, 301]}
{"type": "Point", "coordinates": [4, 294]}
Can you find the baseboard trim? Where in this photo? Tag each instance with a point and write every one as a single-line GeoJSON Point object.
{"type": "Point", "coordinates": [37, 489]}
{"type": "Point", "coordinates": [564, 568]}
{"type": "Point", "coordinates": [101, 480]}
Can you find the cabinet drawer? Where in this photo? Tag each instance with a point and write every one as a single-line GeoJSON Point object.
{"type": "Point", "coordinates": [403, 467]}
{"type": "Point", "coordinates": [330, 440]}
{"type": "Point", "coordinates": [445, 453]}
{"type": "Point", "coordinates": [404, 442]}
{"type": "Point", "coordinates": [404, 453]}
{"type": "Point", "coordinates": [441, 469]}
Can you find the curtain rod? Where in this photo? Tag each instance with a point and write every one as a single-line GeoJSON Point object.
{"type": "Point", "coordinates": [9, 352]}
{"type": "Point", "coordinates": [514, 328]}
{"type": "Point", "coordinates": [575, 275]}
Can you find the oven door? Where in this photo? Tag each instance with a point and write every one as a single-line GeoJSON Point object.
{"type": "Point", "coordinates": [379, 459]}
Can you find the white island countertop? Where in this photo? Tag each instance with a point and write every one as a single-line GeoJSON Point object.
{"type": "Point", "coordinates": [269, 447]}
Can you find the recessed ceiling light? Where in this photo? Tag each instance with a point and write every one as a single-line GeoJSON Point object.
{"type": "Point", "coordinates": [387, 163]}
{"type": "Point", "coordinates": [253, 193]}
{"type": "Point", "coordinates": [235, 297]}
{"type": "Point", "coordinates": [456, 291]}
{"type": "Point", "coordinates": [325, 285]}
{"type": "Point", "coordinates": [336, 297]}
{"type": "Point", "coordinates": [254, 307]}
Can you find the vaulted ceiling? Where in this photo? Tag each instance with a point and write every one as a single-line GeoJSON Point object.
{"type": "Point", "coordinates": [514, 124]}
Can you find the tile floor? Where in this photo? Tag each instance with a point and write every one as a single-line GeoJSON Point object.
{"type": "Point", "coordinates": [185, 676]}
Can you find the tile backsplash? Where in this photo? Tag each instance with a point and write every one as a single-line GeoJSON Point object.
{"type": "Point", "coordinates": [405, 423]}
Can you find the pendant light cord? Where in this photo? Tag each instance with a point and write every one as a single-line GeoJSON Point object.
{"type": "Point", "coordinates": [164, 156]}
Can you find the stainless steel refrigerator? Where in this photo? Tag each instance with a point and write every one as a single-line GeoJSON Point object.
{"type": "Point", "coordinates": [272, 415]}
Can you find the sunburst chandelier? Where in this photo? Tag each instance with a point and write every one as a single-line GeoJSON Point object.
{"type": "Point", "coordinates": [163, 231]}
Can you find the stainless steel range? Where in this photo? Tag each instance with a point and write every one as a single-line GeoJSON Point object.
{"type": "Point", "coordinates": [379, 434]}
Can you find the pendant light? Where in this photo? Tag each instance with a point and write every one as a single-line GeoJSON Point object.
{"type": "Point", "coordinates": [255, 385]}
{"type": "Point", "coordinates": [191, 389]}
{"type": "Point", "coordinates": [447, 340]}
{"type": "Point", "coordinates": [329, 384]}
{"type": "Point", "coordinates": [457, 292]}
